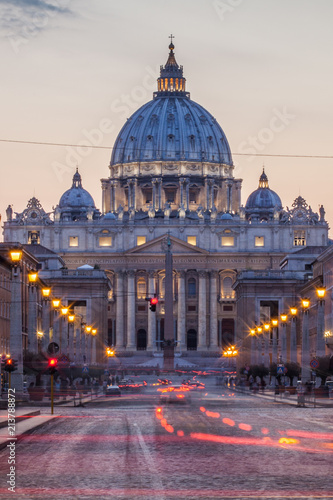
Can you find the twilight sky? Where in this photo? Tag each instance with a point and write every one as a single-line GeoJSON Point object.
{"type": "Point", "coordinates": [74, 70]}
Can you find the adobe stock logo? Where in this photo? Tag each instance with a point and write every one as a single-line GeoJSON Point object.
{"type": "Point", "coordinates": [222, 8]}
{"type": "Point", "coordinates": [280, 120]}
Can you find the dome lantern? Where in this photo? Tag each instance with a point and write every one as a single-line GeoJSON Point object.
{"type": "Point", "coordinates": [171, 80]}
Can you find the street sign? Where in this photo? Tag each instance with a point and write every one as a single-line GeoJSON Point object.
{"type": "Point", "coordinates": [280, 370]}
{"type": "Point", "coordinates": [64, 360]}
{"type": "Point", "coordinates": [314, 363]}
{"type": "Point", "coordinates": [85, 369]}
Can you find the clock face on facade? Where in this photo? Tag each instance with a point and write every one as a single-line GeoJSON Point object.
{"type": "Point", "coordinates": [300, 214]}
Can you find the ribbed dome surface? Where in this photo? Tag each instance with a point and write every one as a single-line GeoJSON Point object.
{"type": "Point", "coordinates": [76, 196]}
{"type": "Point", "coordinates": [171, 128]}
{"type": "Point", "coordinates": [263, 198]}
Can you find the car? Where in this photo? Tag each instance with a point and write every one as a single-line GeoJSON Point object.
{"type": "Point", "coordinates": [178, 394]}
{"type": "Point", "coordinates": [112, 390]}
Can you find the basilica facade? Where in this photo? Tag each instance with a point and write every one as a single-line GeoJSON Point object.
{"type": "Point", "coordinates": [171, 176]}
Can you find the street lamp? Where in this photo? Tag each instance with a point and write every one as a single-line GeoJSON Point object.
{"type": "Point", "coordinates": [32, 312]}
{"type": "Point", "coordinates": [46, 292]}
{"type": "Point", "coordinates": [283, 337]}
{"type": "Point", "coordinates": [305, 372]}
{"type": "Point", "coordinates": [320, 347]}
{"type": "Point", "coordinates": [293, 335]}
{"type": "Point", "coordinates": [321, 292]}
{"type": "Point", "coordinates": [15, 339]}
{"type": "Point", "coordinates": [274, 323]}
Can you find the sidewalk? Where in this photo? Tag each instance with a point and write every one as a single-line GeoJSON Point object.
{"type": "Point", "coordinates": [286, 398]}
{"type": "Point", "coordinates": [29, 418]}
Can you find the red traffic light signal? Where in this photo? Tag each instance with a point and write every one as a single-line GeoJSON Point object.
{"type": "Point", "coordinates": [153, 303]}
{"type": "Point", "coordinates": [9, 365]}
{"type": "Point", "coordinates": [52, 365]}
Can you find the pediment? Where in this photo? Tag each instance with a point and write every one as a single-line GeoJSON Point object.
{"type": "Point", "coordinates": [158, 246]}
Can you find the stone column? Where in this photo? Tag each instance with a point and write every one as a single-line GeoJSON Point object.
{"type": "Point", "coordinates": [32, 319]}
{"type": "Point", "coordinates": [181, 327]}
{"type": "Point", "coordinates": [154, 182]}
{"type": "Point", "coordinates": [305, 362]}
{"type": "Point", "coordinates": [15, 340]}
{"type": "Point", "coordinates": [181, 185]}
{"type": "Point", "coordinates": [151, 341]}
{"type": "Point", "coordinates": [202, 311]}
{"type": "Point", "coordinates": [71, 341]}
{"type": "Point", "coordinates": [293, 341]}
{"type": "Point", "coordinates": [45, 324]}
{"type": "Point", "coordinates": [135, 187]}
{"type": "Point", "coordinates": [160, 194]}
{"type": "Point", "coordinates": [120, 310]}
{"type": "Point", "coordinates": [56, 327]}
{"type": "Point", "coordinates": [274, 346]}
{"type": "Point", "coordinates": [229, 196]}
{"type": "Point", "coordinates": [283, 341]}
{"type": "Point", "coordinates": [131, 310]}
{"type": "Point", "coordinates": [254, 350]}
{"type": "Point", "coordinates": [187, 184]}
{"type": "Point", "coordinates": [320, 344]}
{"type": "Point", "coordinates": [213, 311]}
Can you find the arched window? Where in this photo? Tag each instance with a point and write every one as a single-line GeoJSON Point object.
{"type": "Point", "coordinates": [141, 288]}
{"type": "Point", "coordinates": [191, 288]}
{"type": "Point", "coordinates": [227, 291]}
{"type": "Point", "coordinates": [162, 287]}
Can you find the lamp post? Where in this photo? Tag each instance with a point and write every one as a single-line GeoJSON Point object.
{"type": "Point", "coordinates": [274, 323]}
{"type": "Point", "coordinates": [230, 353]}
{"type": "Point", "coordinates": [71, 320]}
{"type": "Point", "coordinates": [320, 347]}
{"type": "Point", "coordinates": [253, 346]}
{"type": "Point", "coordinates": [283, 337]}
{"type": "Point", "coordinates": [293, 335]}
{"type": "Point", "coordinates": [32, 312]}
{"type": "Point", "coordinates": [93, 348]}
{"type": "Point", "coordinates": [64, 330]}
{"type": "Point", "coordinates": [267, 330]}
{"type": "Point", "coordinates": [88, 342]}
{"type": "Point", "coordinates": [305, 371]}
{"type": "Point", "coordinates": [15, 340]}
{"type": "Point", "coordinates": [46, 292]}
{"type": "Point", "coordinates": [56, 325]}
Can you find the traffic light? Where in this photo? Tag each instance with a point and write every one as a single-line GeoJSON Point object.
{"type": "Point", "coordinates": [52, 365]}
{"type": "Point", "coordinates": [9, 365]}
{"type": "Point", "coordinates": [153, 303]}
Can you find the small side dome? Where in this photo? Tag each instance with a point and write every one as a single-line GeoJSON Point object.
{"type": "Point", "coordinates": [76, 203]}
{"type": "Point", "coordinates": [109, 216]}
{"type": "Point", "coordinates": [76, 196]}
{"type": "Point", "coordinates": [263, 202]}
{"type": "Point", "coordinates": [226, 216]}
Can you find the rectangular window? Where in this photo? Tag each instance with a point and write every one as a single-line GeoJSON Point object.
{"type": "Point", "coordinates": [228, 241]}
{"type": "Point", "coordinates": [191, 308]}
{"type": "Point", "coordinates": [299, 239]}
{"type": "Point", "coordinates": [227, 308]}
{"type": "Point", "coordinates": [259, 241]}
{"type": "Point", "coordinates": [170, 195]}
{"type": "Point", "coordinates": [192, 240]}
{"type": "Point", "coordinates": [141, 308]}
{"type": "Point", "coordinates": [73, 241]}
{"type": "Point", "coordinates": [140, 240]}
{"type": "Point", "coordinates": [105, 241]}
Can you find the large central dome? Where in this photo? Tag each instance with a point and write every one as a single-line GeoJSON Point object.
{"type": "Point", "coordinates": [171, 127]}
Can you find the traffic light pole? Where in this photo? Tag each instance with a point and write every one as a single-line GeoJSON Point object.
{"type": "Point", "coordinates": [9, 380]}
{"type": "Point", "coordinates": [52, 394]}
{"type": "Point", "coordinates": [169, 350]}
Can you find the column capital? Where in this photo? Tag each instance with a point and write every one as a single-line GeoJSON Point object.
{"type": "Point", "coordinates": [214, 274]}
{"type": "Point", "coordinates": [131, 273]}
{"type": "Point", "coordinates": [181, 274]}
{"type": "Point", "coordinates": [202, 273]}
